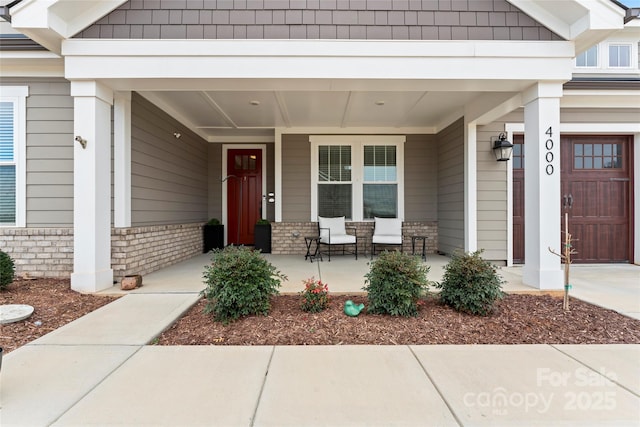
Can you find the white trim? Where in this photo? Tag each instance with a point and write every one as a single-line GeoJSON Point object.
{"type": "Point", "coordinates": [225, 152]}
{"type": "Point", "coordinates": [17, 95]}
{"type": "Point", "coordinates": [122, 159]}
{"type": "Point", "coordinates": [470, 188]}
{"type": "Point", "coordinates": [357, 142]}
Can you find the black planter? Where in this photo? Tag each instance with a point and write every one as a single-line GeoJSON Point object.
{"type": "Point", "coordinates": [213, 237]}
{"type": "Point", "coordinates": [263, 238]}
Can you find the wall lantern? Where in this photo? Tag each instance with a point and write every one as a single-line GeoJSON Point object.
{"type": "Point", "coordinates": [501, 147]}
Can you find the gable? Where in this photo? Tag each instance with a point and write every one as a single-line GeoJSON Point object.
{"type": "Point", "coordinates": [319, 19]}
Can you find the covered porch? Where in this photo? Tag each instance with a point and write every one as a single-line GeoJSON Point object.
{"type": "Point", "coordinates": [613, 286]}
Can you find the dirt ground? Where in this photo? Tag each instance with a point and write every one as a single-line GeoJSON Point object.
{"type": "Point", "coordinates": [54, 305]}
{"type": "Point", "coordinates": [517, 319]}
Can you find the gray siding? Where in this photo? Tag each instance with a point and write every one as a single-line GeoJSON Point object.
{"type": "Point", "coordinates": [215, 186]}
{"type": "Point", "coordinates": [491, 196]}
{"type": "Point", "coordinates": [49, 152]}
{"type": "Point", "coordinates": [421, 178]}
{"type": "Point", "coordinates": [319, 19]}
{"type": "Point", "coordinates": [169, 176]}
{"type": "Point", "coordinates": [296, 178]}
{"type": "Point", "coordinates": [451, 188]}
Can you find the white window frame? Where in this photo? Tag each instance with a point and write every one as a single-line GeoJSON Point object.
{"type": "Point", "coordinates": [18, 96]}
{"type": "Point", "coordinates": [598, 56]}
{"type": "Point", "coordinates": [631, 55]}
{"type": "Point", "coordinates": [357, 143]}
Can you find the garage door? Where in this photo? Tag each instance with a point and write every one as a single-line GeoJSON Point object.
{"type": "Point", "coordinates": [596, 193]}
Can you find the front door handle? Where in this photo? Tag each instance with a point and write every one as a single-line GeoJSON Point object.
{"type": "Point", "coordinates": [570, 199]}
{"type": "Point", "coordinates": [564, 202]}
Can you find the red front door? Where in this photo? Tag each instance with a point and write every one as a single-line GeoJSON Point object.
{"type": "Point", "coordinates": [244, 194]}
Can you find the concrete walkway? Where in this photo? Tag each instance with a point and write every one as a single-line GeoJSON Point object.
{"type": "Point", "coordinates": [99, 370]}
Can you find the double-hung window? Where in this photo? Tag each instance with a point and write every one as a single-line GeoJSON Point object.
{"type": "Point", "coordinates": [12, 155]}
{"type": "Point", "coordinates": [588, 58]}
{"type": "Point", "coordinates": [357, 176]}
{"type": "Point", "coordinates": [620, 55]}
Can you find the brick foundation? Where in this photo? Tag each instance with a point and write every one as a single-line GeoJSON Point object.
{"type": "Point", "coordinates": [48, 252]}
{"type": "Point", "coordinates": [39, 252]}
{"type": "Point", "coordinates": [287, 238]}
{"type": "Point", "coordinates": [142, 250]}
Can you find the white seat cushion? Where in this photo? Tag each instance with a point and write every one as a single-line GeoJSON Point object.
{"type": "Point", "coordinates": [388, 231]}
{"type": "Point", "coordinates": [338, 234]}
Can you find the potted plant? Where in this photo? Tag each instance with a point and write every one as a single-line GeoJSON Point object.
{"type": "Point", "coordinates": [262, 233]}
{"type": "Point", "coordinates": [213, 234]}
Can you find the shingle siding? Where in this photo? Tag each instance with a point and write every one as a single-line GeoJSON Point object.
{"type": "Point", "coordinates": [319, 19]}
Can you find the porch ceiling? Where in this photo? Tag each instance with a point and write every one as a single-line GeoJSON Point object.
{"type": "Point", "coordinates": [228, 115]}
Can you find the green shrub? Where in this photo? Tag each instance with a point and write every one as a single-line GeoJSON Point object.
{"type": "Point", "coordinates": [395, 283]}
{"type": "Point", "coordinates": [7, 270]}
{"type": "Point", "coordinates": [315, 296]}
{"type": "Point", "coordinates": [470, 284]}
{"type": "Point", "coordinates": [239, 282]}
{"type": "Point", "coordinates": [213, 221]}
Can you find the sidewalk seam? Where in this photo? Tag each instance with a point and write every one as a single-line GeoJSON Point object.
{"type": "Point", "coordinates": [96, 385]}
{"type": "Point", "coordinates": [453, 413]}
{"type": "Point", "coordinates": [622, 386]}
{"type": "Point", "coordinates": [264, 381]}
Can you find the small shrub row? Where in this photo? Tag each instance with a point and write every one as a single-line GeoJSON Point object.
{"type": "Point", "coordinates": [240, 282]}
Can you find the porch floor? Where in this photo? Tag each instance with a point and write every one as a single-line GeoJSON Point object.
{"type": "Point", "coordinates": [613, 286]}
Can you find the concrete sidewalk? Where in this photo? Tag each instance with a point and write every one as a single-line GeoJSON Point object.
{"type": "Point", "coordinates": [100, 370]}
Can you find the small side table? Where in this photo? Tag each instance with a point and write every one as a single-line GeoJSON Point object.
{"type": "Point", "coordinates": [424, 245]}
{"type": "Point", "coordinates": [309, 240]}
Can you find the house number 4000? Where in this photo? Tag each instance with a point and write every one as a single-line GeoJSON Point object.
{"type": "Point", "coordinates": [549, 155]}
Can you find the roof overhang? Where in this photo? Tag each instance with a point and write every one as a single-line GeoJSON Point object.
{"type": "Point", "coordinates": [49, 22]}
{"type": "Point", "coordinates": [586, 22]}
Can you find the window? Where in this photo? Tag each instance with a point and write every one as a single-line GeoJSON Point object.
{"type": "Point", "coordinates": [597, 156]}
{"type": "Point", "coordinates": [359, 177]}
{"type": "Point", "coordinates": [619, 55]}
{"type": "Point", "coordinates": [12, 155]}
{"type": "Point", "coordinates": [588, 58]}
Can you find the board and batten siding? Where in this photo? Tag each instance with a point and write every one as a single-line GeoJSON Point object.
{"type": "Point", "coordinates": [451, 188]}
{"type": "Point", "coordinates": [169, 176]}
{"type": "Point", "coordinates": [421, 178]}
{"type": "Point", "coordinates": [296, 178]}
{"type": "Point", "coordinates": [49, 139]}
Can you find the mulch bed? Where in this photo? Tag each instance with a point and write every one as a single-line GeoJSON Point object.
{"type": "Point", "coordinates": [517, 319]}
{"type": "Point", "coordinates": [54, 304]}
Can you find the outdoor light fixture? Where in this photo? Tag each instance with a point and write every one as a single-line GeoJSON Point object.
{"type": "Point", "coordinates": [82, 141]}
{"type": "Point", "coordinates": [177, 135]}
{"type": "Point", "coordinates": [501, 147]}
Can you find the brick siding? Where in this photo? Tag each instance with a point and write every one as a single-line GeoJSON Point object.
{"type": "Point", "coordinates": [288, 237]}
{"type": "Point", "coordinates": [48, 252]}
{"type": "Point", "coordinates": [39, 252]}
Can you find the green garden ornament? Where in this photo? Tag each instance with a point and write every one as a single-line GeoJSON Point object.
{"type": "Point", "coordinates": [351, 309]}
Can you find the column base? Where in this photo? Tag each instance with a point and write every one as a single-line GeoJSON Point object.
{"type": "Point", "coordinates": [92, 282]}
{"type": "Point", "coordinates": [543, 279]}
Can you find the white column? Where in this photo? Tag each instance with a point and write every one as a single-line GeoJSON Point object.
{"type": "Point", "coordinates": [92, 187]}
{"type": "Point", "coordinates": [542, 269]}
{"type": "Point", "coordinates": [122, 159]}
{"type": "Point", "coordinates": [470, 188]}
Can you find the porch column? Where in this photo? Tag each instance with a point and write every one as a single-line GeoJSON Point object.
{"type": "Point", "coordinates": [122, 159]}
{"type": "Point", "coordinates": [470, 188]}
{"type": "Point", "coordinates": [542, 269]}
{"type": "Point", "coordinates": [92, 187]}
